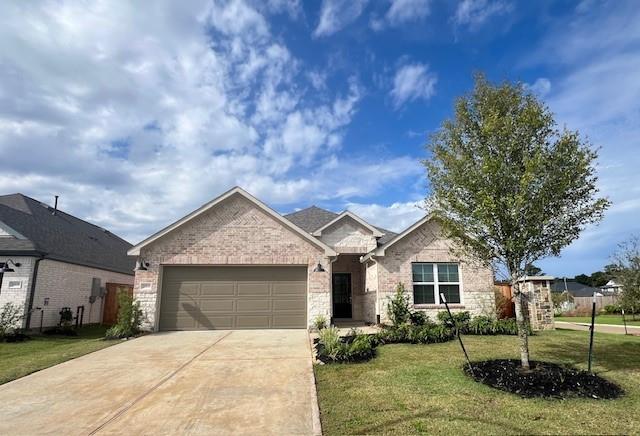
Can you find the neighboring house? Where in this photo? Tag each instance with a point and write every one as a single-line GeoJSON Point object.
{"type": "Point", "coordinates": [236, 263]}
{"type": "Point", "coordinates": [574, 288]}
{"type": "Point", "coordinates": [611, 288]}
{"type": "Point", "coordinates": [50, 260]}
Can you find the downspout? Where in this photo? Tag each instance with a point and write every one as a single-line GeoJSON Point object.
{"type": "Point", "coordinates": [32, 291]}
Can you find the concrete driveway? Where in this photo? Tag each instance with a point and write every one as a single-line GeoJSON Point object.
{"type": "Point", "coordinates": [213, 382]}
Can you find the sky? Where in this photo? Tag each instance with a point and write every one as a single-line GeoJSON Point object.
{"type": "Point", "coordinates": [136, 113]}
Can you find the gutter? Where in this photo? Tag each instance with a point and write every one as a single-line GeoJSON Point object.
{"type": "Point", "coordinates": [32, 291]}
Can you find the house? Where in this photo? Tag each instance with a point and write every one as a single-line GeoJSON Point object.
{"type": "Point", "coordinates": [237, 263]}
{"type": "Point", "coordinates": [573, 288]}
{"type": "Point", "coordinates": [611, 288]}
{"type": "Point", "coordinates": [50, 260]}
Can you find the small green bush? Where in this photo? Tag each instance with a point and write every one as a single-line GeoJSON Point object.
{"type": "Point", "coordinates": [320, 322]}
{"type": "Point", "coordinates": [460, 319]}
{"type": "Point", "coordinates": [429, 333]}
{"type": "Point", "coordinates": [129, 318]}
{"type": "Point", "coordinates": [418, 318]}
{"type": "Point", "coordinates": [398, 309]}
{"type": "Point", "coordinates": [10, 317]}
{"type": "Point", "coordinates": [333, 348]}
{"type": "Point", "coordinates": [612, 308]}
{"type": "Point", "coordinates": [481, 325]}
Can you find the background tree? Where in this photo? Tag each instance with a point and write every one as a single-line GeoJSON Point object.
{"type": "Point", "coordinates": [532, 270]}
{"type": "Point", "coordinates": [628, 275]}
{"type": "Point", "coordinates": [583, 279]}
{"type": "Point", "coordinates": [509, 186]}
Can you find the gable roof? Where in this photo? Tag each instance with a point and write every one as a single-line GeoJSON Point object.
{"type": "Point", "coordinates": [313, 218]}
{"type": "Point", "coordinates": [29, 227]}
{"type": "Point", "coordinates": [379, 251]}
{"type": "Point", "coordinates": [574, 288]}
{"type": "Point", "coordinates": [376, 232]}
{"type": "Point", "coordinates": [134, 251]}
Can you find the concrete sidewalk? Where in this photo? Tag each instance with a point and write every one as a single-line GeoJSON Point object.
{"type": "Point", "coordinates": [600, 328]}
{"type": "Point", "coordinates": [206, 382]}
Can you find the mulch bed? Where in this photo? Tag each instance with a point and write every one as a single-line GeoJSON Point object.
{"type": "Point", "coordinates": [545, 380]}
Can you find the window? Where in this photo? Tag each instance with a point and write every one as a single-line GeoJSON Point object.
{"type": "Point", "coordinates": [431, 279]}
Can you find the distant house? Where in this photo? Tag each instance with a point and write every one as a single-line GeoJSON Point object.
{"type": "Point", "coordinates": [611, 288]}
{"type": "Point", "coordinates": [574, 288]}
{"type": "Point", "coordinates": [50, 260]}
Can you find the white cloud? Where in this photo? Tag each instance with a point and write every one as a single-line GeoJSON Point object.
{"type": "Point", "coordinates": [337, 14]}
{"type": "Point", "coordinates": [402, 12]}
{"type": "Point", "coordinates": [136, 114]}
{"type": "Point", "coordinates": [395, 217]}
{"type": "Point", "coordinates": [540, 87]}
{"type": "Point", "coordinates": [411, 82]}
{"type": "Point", "coordinates": [473, 13]}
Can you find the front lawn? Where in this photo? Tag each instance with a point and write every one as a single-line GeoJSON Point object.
{"type": "Point", "coordinates": [21, 358]}
{"type": "Point", "coordinates": [600, 319]}
{"type": "Point", "coordinates": [422, 389]}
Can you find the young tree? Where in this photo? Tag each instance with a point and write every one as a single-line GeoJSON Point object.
{"type": "Point", "coordinates": [509, 186]}
{"type": "Point", "coordinates": [628, 274]}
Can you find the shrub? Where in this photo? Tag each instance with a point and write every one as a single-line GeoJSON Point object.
{"type": "Point", "coordinates": [320, 322]}
{"type": "Point", "coordinates": [429, 333]}
{"type": "Point", "coordinates": [10, 317]}
{"type": "Point", "coordinates": [398, 309]}
{"type": "Point", "coordinates": [481, 325]}
{"type": "Point", "coordinates": [129, 318]}
{"type": "Point", "coordinates": [613, 308]}
{"type": "Point", "coordinates": [418, 318]}
{"type": "Point", "coordinates": [332, 348]}
{"type": "Point", "coordinates": [460, 319]}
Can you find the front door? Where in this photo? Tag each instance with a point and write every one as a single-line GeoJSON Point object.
{"type": "Point", "coordinates": [341, 285]}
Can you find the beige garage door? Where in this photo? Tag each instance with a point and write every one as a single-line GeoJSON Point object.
{"type": "Point", "coordinates": [237, 297]}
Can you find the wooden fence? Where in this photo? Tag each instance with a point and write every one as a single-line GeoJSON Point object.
{"type": "Point", "coordinates": [584, 303]}
{"type": "Point", "coordinates": [110, 309]}
{"type": "Point", "coordinates": [508, 310]}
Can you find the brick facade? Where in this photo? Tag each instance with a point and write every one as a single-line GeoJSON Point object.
{"type": "Point", "coordinates": [233, 232]}
{"type": "Point", "coordinates": [348, 236]}
{"type": "Point", "coordinates": [426, 244]}
{"type": "Point", "coordinates": [540, 305]}
{"type": "Point", "coordinates": [64, 284]}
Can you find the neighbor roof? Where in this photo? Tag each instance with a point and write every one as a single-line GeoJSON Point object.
{"type": "Point", "coordinates": [33, 230]}
{"type": "Point", "coordinates": [574, 288]}
{"type": "Point", "coordinates": [313, 218]}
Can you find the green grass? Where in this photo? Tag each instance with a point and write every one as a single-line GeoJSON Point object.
{"type": "Point", "coordinates": [412, 389]}
{"type": "Point", "coordinates": [22, 358]}
{"type": "Point", "coordinates": [600, 319]}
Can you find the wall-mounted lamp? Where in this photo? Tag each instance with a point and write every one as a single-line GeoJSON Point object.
{"type": "Point", "coordinates": [7, 269]}
{"type": "Point", "coordinates": [141, 265]}
{"type": "Point", "coordinates": [319, 268]}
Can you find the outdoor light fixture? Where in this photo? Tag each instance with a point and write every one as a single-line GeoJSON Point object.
{"type": "Point", "coordinates": [7, 269]}
{"type": "Point", "coordinates": [141, 265]}
{"type": "Point", "coordinates": [319, 268]}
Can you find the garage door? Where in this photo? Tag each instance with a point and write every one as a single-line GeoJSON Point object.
{"type": "Point", "coordinates": [238, 297]}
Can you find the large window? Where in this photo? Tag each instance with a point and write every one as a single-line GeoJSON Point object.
{"type": "Point", "coordinates": [431, 279]}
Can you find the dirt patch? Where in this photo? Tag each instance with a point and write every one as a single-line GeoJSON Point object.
{"type": "Point", "coordinates": [544, 379]}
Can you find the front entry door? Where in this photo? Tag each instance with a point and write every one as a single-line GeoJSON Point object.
{"type": "Point", "coordinates": [341, 295]}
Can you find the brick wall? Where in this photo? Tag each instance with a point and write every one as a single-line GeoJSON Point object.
{"type": "Point", "coordinates": [540, 305]}
{"type": "Point", "coordinates": [426, 244]}
{"type": "Point", "coordinates": [69, 285]}
{"type": "Point", "coordinates": [370, 300]}
{"type": "Point", "coordinates": [234, 232]}
{"type": "Point", "coordinates": [348, 236]}
{"type": "Point", "coordinates": [17, 295]}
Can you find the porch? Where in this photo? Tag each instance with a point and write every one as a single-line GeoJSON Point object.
{"type": "Point", "coordinates": [352, 305]}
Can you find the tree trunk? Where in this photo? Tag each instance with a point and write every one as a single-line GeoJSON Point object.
{"type": "Point", "coordinates": [521, 321]}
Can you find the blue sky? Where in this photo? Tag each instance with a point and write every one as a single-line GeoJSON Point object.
{"type": "Point", "coordinates": [136, 113]}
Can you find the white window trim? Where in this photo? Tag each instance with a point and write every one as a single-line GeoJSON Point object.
{"type": "Point", "coordinates": [436, 284]}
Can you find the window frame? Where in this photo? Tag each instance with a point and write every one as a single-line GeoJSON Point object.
{"type": "Point", "coordinates": [436, 284]}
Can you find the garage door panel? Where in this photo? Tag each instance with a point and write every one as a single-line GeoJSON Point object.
{"type": "Point", "coordinates": [292, 288]}
{"type": "Point", "coordinates": [220, 297]}
{"type": "Point", "coordinates": [215, 289]}
{"type": "Point", "coordinates": [217, 305]}
{"type": "Point", "coordinates": [253, 321]}
{"type": "Point", "coordinates": [254, 305]}
{"type": "Point", "coordinates": [288, 321]}
{"type": "Point", "coordinates": [253, 288]}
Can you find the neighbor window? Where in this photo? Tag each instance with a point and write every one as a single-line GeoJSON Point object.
{"type": "Point", "coordinates": [431, 279]}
